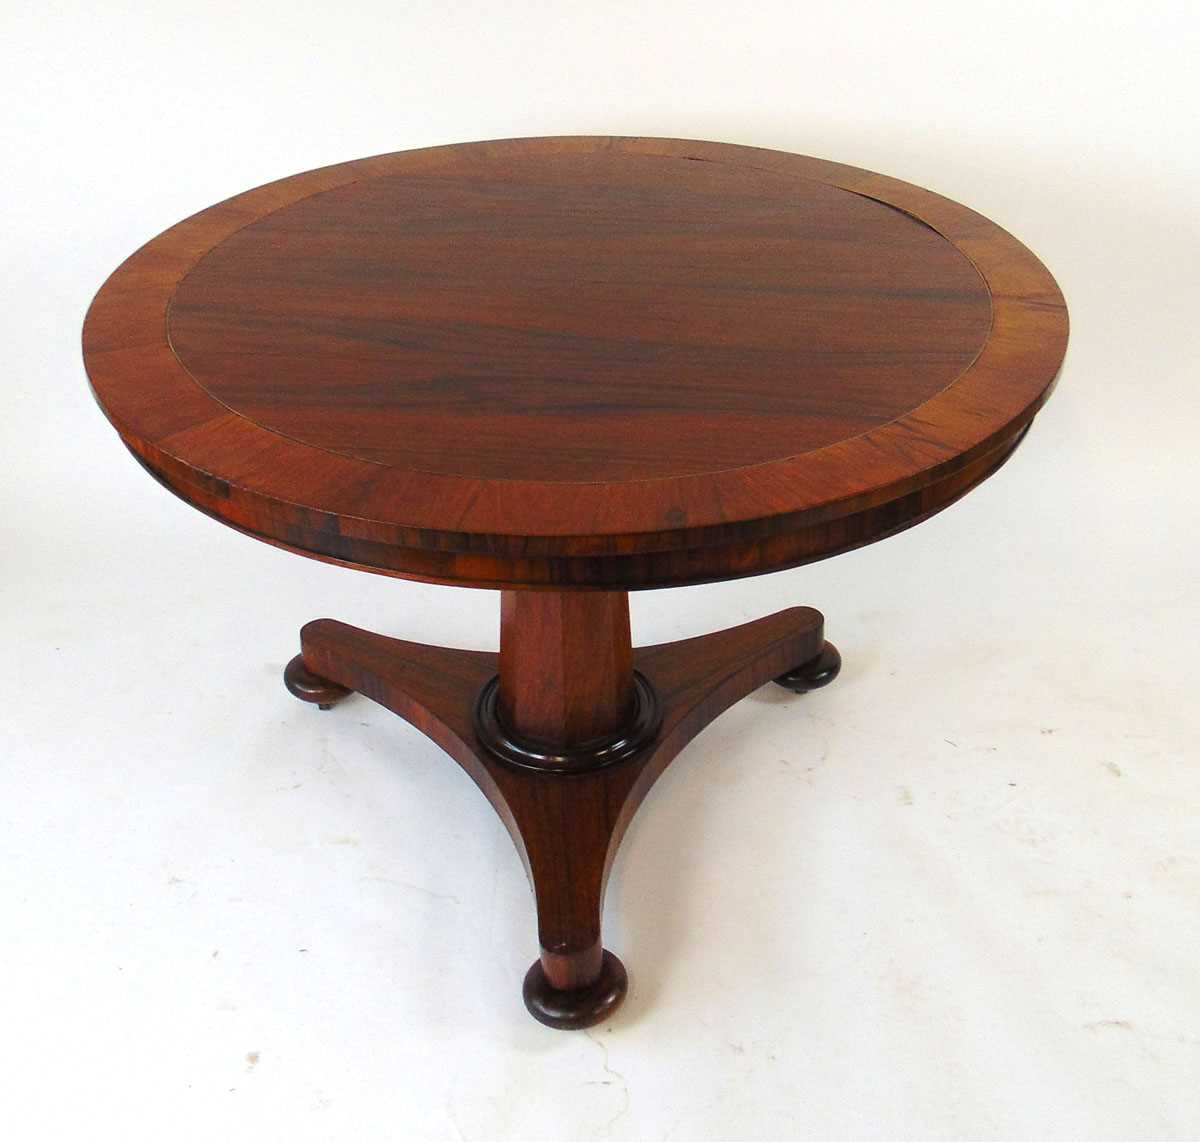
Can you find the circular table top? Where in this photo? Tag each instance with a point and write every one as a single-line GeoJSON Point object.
{"type": "Point", "coordinates": [576, 361]}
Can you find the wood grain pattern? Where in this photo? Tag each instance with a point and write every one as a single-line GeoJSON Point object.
{"type": "Point", "coordinates": [566, 827]}
{"type": "Point", "coordinates": [566, 664]}
{"type": "Point", "coordinates": [586, 362]}
{"type": "Point", "coordinates": [578, 318]}
{"type": "Point", "coordinates": [569, 368]}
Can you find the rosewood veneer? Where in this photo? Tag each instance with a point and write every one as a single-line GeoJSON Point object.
{"type": "Point", "coordinates": [569, 368]}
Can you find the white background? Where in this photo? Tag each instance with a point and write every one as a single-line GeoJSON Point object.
{"type": "Point", "coordinates": [956, 895]}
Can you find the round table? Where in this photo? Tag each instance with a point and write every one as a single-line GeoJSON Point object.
{"type": "Point", "coordinates": [568, 368]}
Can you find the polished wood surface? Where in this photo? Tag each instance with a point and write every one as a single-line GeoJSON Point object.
{"type": "Point", "coordinates": [566, 664]}
{"type": "Point", "coordinates": [578, 362]}
{"type": "Point", "coordinates": [566, 826]}
{"type": "Point", "coordinates": [569, 319]}
{"type": "Point", "coordinates": [568, 368]}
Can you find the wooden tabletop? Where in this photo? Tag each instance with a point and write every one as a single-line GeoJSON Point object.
{"type": "Point", "coordinates": [594, 362]}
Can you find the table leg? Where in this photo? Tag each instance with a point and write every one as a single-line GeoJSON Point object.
{"type": "Point", "coordinates": [565, 687]}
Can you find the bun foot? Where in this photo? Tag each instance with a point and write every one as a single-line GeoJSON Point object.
{"type": "Point", "coordinates": [309, 687]}
{"type": "Point", "coordinates": [579, 1007]}
{"type": "Point", "coordinates": [814, 673]}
